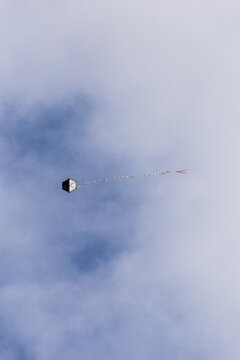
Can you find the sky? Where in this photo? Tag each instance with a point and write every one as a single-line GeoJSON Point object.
{"type": "Point", "coordinates": [142, 269]}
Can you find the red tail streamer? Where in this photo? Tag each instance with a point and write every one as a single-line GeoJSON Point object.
{"type": "Point", "coordinates": [182, 171]}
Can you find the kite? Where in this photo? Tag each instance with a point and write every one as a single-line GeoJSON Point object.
{"type": "Point", "coordinates": [69, 185]}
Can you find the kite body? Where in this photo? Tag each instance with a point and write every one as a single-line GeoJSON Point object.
{"type": "Point", "coordinates": [69, 185]}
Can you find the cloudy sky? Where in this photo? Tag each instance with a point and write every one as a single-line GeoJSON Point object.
{"type": "Point", "coordinates": [147, 269]}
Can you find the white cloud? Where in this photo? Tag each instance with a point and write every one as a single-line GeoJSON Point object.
{"type": "Point", "coordinates": [165, 79]}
